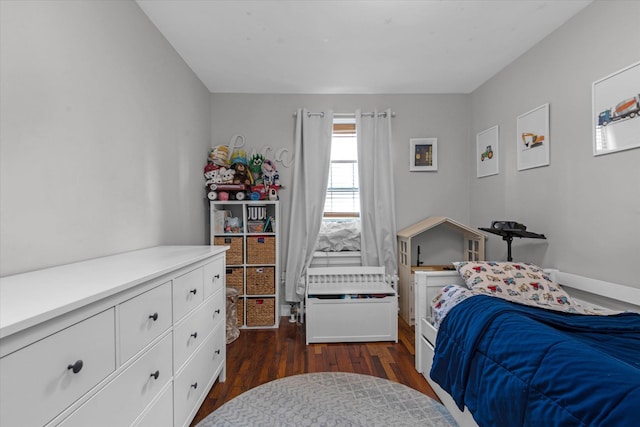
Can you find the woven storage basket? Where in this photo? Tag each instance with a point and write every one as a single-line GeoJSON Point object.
{"type": "Point", "coordinates": [261, 250]}
{"type": "Point", "coordinates": [240, 307]}
{"type": "Point", "coordinates": [235, 252]}
{"type": "Point", "coordinates": [261, 311]}
{"type": "Point", "coordinates": [235, 279]}
{"type": "Point", "coordinates": [261, 281]}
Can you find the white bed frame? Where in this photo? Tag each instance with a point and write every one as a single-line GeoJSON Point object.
{"type": "Point", "coordinates": [427, 283]}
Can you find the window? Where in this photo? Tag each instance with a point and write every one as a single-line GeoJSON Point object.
{"type": "Point", "coordinates": [343, 191]}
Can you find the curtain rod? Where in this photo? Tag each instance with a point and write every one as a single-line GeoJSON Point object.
{"type": "Point", "coordinates": [348, 115]}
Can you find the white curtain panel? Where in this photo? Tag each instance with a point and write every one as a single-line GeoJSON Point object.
{"type": "Point", "coordinates": [310, 177]}
{"type": "Point", "coordinates": [377, 196]}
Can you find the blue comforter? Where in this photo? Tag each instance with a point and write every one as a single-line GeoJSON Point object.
{"type": "Point", "coordinates": [514, 365]}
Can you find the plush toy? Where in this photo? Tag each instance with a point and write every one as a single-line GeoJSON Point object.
{"type": "Point", "coordinates": [268, 172]}
{"type": "Point", "coordinates": [242, 174]}
{"type": "Point", "coordinates": [219, 155]}
{"type": "Point", "coordinates": [255, 165]}
{"type": "Point", "coordinates": [212, 174]}
{"type": "Point", "coordinates": [273, 193]}
{"type": "Point", "coordinates": [209, 171]}
{"type": "Point", "coordinates": [239, 156]}
{"type": "Point", "coordinates": [227, 175]}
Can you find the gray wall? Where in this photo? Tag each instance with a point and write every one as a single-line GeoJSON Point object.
{"type": "Point", "coordinates": [104, 135]}
{"type": "Point", "coordinates": [267, 120]}
{"type": "Point", "coordinates": [588, 207]}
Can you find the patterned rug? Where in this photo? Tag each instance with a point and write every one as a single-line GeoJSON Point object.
{"type": "Point", "coordinates": [330, 399]}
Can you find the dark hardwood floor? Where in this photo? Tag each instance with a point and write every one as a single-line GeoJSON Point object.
{"type": "Point", "coordinates": [260, 356]}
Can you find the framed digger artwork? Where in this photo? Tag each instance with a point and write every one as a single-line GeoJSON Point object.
{"type": "Point", "coordinates": [532, 138]}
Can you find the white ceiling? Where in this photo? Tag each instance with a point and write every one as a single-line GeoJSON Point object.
{"type": "Point", "coordinates": [347, 46]}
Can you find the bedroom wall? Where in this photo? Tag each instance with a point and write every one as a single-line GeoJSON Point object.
{"type": "Point", "coordinates": [588, 207]}
{"type": "Point", "coordinates": [267, 120]}
{"type": "Point", "coordinates": [104, 135]}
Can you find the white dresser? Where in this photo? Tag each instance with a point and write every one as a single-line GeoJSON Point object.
{"type": "Point", "coordinates": [131, 339]}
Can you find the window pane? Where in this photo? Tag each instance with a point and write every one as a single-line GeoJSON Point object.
{"type": "Point", "coordinates": [343, 175]}
{"type": "Point", "coordinates": [344, 148]}
{"type": "Point", "coordinates": [343, 193]}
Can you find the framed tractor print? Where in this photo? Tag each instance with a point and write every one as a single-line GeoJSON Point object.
{"type": "Point", "coordinates": [487, 153]}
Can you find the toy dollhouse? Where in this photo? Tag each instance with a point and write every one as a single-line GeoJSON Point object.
{"type": "Point", "coordinates": [472, 250]}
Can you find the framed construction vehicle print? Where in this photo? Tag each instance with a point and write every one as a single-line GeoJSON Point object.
{"type": "Point", "coordinates": [532, 138]}
{"type": "Point", "coordinates": [616, 111]}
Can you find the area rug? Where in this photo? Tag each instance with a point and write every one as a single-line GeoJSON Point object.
{"type": "Point", "coordinates": [330, 399]}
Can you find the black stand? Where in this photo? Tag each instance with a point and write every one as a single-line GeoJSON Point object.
{"type": "Point", "coordinates": [509, 233]}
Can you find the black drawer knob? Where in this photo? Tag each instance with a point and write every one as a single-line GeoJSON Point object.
{"type": "Point", "coordinates": [76, 367]}
{"type": "Point", "coordinates": [218, 351]}
{"type": "Point", "coordinates": [217, 276]}
{"type": "Point", "coordinates": [195, 335]}
{"type": "Point", "coordinates": [218, 311]}
{"type": "Point", "coordinates": [194, 385]}
{"type": "Point", "coordinates": [193, 291]}
{"type": "Point", "coordinates": [155, 375]}
{"type": "Point", "coordinates": [154, 316]}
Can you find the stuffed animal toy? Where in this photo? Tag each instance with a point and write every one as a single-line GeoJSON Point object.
{"type": "Point", "coordinates": [227, 175]}
{"type": "Point", "coordinates": [268, 172]}
{"type": "Point", "coordinates": [273, 193]}
{"type": "Point", "coordinates": [217, 177]}
{"type": "Point", "coordinates": [219, 155]}
{"type": "Point", "coordinates": [255, 165]}
{"type": "Point", "coordinates": [242, 175]}
{"type": "Point", "coordinates": [209, 171]}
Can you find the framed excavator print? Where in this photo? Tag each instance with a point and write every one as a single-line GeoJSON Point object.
{"type": "Point", "coordinates": [616, 111]}
{"type": "Point", "coordinates": [532, 138]}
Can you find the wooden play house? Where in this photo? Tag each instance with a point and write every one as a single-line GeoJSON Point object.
{"type": "Point", "coordinates": [473, 250]}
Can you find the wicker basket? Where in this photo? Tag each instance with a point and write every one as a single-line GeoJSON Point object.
{"type": "Point", "coordinates": [235, 252]}
{"type": "Point", "coordinates": [261, 311]}
{"type": "Point", "coordinates": [240, 306]}
{"type": "Point", "coordinates": [261, 281]}
{"type": "Point", "coordinates": [261, 250]}
{"type": "Point", "coordinates": [235, 279]}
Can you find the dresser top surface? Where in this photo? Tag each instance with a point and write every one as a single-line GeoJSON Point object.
{"type": "Point", "coordinates": [30, 298]}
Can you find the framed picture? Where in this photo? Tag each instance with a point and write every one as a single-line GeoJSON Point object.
{"type": "Point", "coordinates": [532, 138]}
{"type": "Point", "coordinates": [616, 111]}
{"type": "Point", "coordinates": [487, 152]}
{"type": "Point", "coordinates": [423, 154]}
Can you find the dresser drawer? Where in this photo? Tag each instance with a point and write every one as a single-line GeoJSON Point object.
{"type": "Point", "coordinates": [195, 328]}
{"type": "Point", "coordinates": [214, 279]}
{"type": "Point", "coordinates": [187, 292]}
{"type": "Point", "coordinates": [197, 377]}
{"type": "Point", "coordinates": [144, 318]}
{"type": "Point", "coordinates": [160, 414]}
{"type": "Point", "coordinates": [38, 381]}
{"type": "Point", "coordinates": [121, 402]}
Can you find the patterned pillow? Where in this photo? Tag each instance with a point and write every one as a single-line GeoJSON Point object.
{"type": "Point", "coordinates": [519, 282]}
{"type": "Point", "coordinates": [446, 299]}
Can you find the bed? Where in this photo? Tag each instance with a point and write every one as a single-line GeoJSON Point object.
{"type": "Point", "coordinates": [500, 363]}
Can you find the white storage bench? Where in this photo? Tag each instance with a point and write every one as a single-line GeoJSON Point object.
{"type": "Point", "coordinates": [350, 304]}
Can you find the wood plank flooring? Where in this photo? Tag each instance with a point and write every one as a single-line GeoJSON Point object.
{"type": "Point", "coordinates": [260, 356]}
